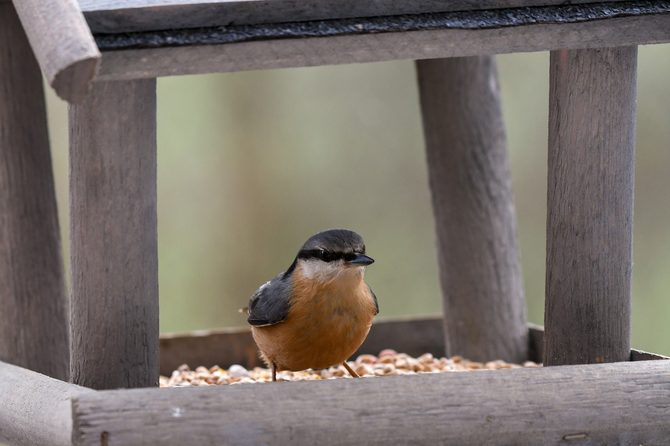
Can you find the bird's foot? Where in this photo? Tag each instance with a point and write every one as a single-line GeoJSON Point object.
{"type": "Point", "coordinates": [350, 370]}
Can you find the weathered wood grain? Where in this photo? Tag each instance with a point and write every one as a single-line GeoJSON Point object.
{"type": "Point", "coordinates": [33, 301]}
{"type": "Point", "coordinates": [622, 403]}
{"type": "Point", "coordinates": [283, 53]}
{"type": "Point", "coordinates": [115, 16]}
{"type": "Point", "coordinates": [62, 43]}
{"type": "Point", "coordinates": [236, 346]}
{"type": "Point", "coordinates": [113, 232]}
{"type": "Point", "coordinates": [590, 205]}
{"type": "Point", "coordinates": [35, 409]}
{"type": "Point", "coordinates": [471, 189]}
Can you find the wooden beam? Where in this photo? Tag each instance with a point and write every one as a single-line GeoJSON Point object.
{"type": "Point", "coordinates": [590, 205]}
{"type": "Point", "coordinates": [411, 336]}
{"type": "Point", "coordinates": [641, 355]}
{"type": "Point", "coordinates": [408, 335]}
{"type": "Point", "coordinates": [207, 348]}
{"type": "Point", "coordinates": [621, 403]}
{"type": "Point", "coordinates": [117, 16]}
{"type": "Point", "coordinates": [62, 43]}
{"type": "Point", "coordinates": [471, 189]}
{"type": "Point", "coordinates": [33, 301]}
{"type": "Point", "coordinates": [236, 346]}
{"type": "Point", "coordinates": [35, 409]}
{"type": "Point", "coordinates": [468, 20]}
{"type": "Point", "coordinates": [113, 232]}
{"type": "Point", "coordinates": [359, 48]}
{"type": "Point", "coordinates": [536, 346]}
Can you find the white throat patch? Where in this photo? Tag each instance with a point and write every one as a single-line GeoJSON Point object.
{"type": "Point", "coordinates": [316, 269]}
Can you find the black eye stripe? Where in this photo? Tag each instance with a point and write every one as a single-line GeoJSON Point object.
{"type": "Point", "coordinates": [326, 256]}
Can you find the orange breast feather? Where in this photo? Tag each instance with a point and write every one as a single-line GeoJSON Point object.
{"type": "Point", "coordinates": [326, 324]}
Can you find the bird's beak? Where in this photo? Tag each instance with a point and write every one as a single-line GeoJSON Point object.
{"type": "Point", "coordinates": [362, 260]}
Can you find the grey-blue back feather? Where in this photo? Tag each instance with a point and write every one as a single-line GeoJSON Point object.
{"type": "Point", "coordinates": [269, 305]}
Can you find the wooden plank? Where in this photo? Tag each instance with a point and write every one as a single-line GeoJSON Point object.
{"type": "Point", "coordinates": [236, 346]}
{"type": "Point", "coordinates": [471, 189]}
{"type": "Point", "coordinates": [115, 16]}
{"type": "Point", "coordinates": [411, 336]}
{"type": "Point", "coordinates": [536, 347]}
{"type": "Point", "coordinates": [621, 403]}
{"type": "Point", "coordinates": [359, 48]}
{"type": "Point", "coordinates": [208, 348]}
{"type": "Point", "coordinates": [471, 20]}
{"type": "Point", "coordinates": [113, 232]}
{"type": "Point", "coordinates": [35, 409]}
{"type": "Point", "coordinates": [33, 302]}
{"type": "Point", "coordinates": [62, 43]}
{"type": "Point", "coordinates": [590, 205]}
{"type": "Point", "coordinates": [641, 355]}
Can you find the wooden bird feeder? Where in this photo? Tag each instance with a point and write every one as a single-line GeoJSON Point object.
{"type": "Point", "coordinates": [64, 355]}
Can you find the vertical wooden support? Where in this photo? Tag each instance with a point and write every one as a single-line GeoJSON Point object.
{"type": "Point", "coordinates": [113, 231]}
{"type": "Point", "coordinates": [590, 205]}
{"type": "Point", "coordinates": [484, 308]}
{"type": "Point", "coordinates": [33, 301]}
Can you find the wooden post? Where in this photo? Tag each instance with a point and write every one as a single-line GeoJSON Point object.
{"type": "Point", "coordinates": [484, 309]}
{"type": "Point", "coordinates": [590, 205]}
{"type": "Point", "coordinates": [33, 301]}
{"type": "Point", "coordinates": [62, 43]}
{"type": "Point", "coordinates": [113, 231]}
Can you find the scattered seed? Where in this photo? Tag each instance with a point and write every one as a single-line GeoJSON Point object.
{"type": "Point", "coordinates": [366, 359]}
{"type": "Point", "coordinates": [389, 362]}
{"type": "Point", "coordinates": [237, 371]}
{"type": "Point", "coordinates": [388, 351]}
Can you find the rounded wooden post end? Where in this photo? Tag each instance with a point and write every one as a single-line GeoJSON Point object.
{"type": "Point", "coordinates": [75, 81]}
{"type": "Point", "coordinates": [62, 43]}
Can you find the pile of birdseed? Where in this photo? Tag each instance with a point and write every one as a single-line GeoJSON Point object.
{"type": "Point", "coordinates": [388, 362]}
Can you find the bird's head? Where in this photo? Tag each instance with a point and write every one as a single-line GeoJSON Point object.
{"type": "Point", "coordinates": [332, 253]}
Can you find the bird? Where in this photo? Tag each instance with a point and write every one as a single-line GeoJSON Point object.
{"type": "Point", "coordinates": [319, 311]}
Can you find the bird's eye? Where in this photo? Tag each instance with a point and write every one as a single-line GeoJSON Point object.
{"type": "Point", "coordinates": [326, 256]}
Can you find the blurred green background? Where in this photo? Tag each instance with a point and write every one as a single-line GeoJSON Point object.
{"type": "Point", "coordinates": [250, 164]}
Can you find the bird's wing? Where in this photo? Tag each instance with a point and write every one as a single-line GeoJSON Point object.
{"type": "Point", "coordinates": [374, 297]}
{"type": "Point", "coordinates": [270, 303]}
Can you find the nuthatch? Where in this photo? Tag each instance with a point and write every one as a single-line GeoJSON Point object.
{"type": "Point", "coordinates": [318, 312]}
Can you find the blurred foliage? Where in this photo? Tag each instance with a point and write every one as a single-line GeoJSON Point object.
{"type": "Point", "coordinates": [250, 164]}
